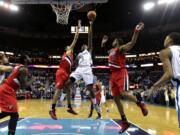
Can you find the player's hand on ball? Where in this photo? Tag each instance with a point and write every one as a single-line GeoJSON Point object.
{"type": "Point", "coordinates": [139, 27]}
{"type": "Point", "coordinates": [104, 40]}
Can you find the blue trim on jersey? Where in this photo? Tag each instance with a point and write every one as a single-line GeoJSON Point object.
{"type": "Point", "coordinates": [177, 99]}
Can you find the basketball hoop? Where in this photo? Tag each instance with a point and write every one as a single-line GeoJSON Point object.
{"type": "Point", "coordinates": [62, 11]}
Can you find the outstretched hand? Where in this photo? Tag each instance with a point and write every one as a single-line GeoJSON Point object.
{"type": "Point", "coordinates": [139, 27]}
{"type": "Point", "coordinates": [104, 40]}
{"type": "Point", "coordinates": [79, 24]}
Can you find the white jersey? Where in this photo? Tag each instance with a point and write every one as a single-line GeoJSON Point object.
{"type": "Point", "coordinates": [85, 58]}
{"type": "Point", "coordinates": [84, 70]}
{"type": "Point", "coordinates": [102, 90]}
{"type": "Point", "coordinates": [2, 77]}
{"type": "Point", "coordinates": [175, 61]}
{"type": "Point", "coordinates": [103, 97]}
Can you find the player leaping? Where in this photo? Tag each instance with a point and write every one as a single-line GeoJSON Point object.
{"type": "Point", "coordinates": [62, 76]}
{"type": "Point", "coordinates": [119, 74]}
{"type": "Point", "coordinates": [84, 69]}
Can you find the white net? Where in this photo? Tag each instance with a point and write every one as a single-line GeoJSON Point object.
{"type": "Point", "coordinates": [62, 12]}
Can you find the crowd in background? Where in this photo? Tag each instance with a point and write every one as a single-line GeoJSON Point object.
{"type": "Point", "coordinates": [140, 81]}
{"type": "Point", "coordinates": [46, 60]}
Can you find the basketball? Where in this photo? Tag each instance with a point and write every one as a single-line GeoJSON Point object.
{"type": "Point", "coordinates": [91, 15]}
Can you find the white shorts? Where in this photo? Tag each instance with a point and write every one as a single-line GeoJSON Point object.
{"type": "Point", "coordinates": [103, 99]}
{"type": "Point", "coordinates": [84, 73]}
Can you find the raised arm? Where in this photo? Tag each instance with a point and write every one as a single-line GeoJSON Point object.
{"type": "Point", "coordinates": [104, 40]}
{"type": "Point", "coordinates": [4, 68]}
{"type": "Point", "coordinates": [127, 47]}
{"type": "Point", "coordinates": [90, 40]}
{"type": "Point", "coordinates": [76, 36]}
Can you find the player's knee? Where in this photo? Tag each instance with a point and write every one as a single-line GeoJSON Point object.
{"type": "Point", "coordinates": [13, 119]}
{"type": "Point", "coordinates": [116, 98]}
{"type": "Point", "coordinates": [121, 94]}
{"type": "Point", "coordinates": [90, 87]}
{"type": "Point", "coordinates": [15, 116]}
{"type": "Point", "coordinates": [64, 91]}
{"type": "Point", "coordinates": [92, 94]}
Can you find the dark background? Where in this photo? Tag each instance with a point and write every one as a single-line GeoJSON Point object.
{"type": "Point", "coordinates": [34, 27]}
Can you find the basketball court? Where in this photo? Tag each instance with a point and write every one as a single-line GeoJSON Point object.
{"type": "Point", "coordinates": [35, 120]}
{"type": "Point", "coordinates": [47, 126]}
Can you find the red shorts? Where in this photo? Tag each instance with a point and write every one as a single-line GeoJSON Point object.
{"type": "Point", "coordinates": [8, 102]}
{"type": "Point", "coordinates": [119, 81]}
{"type": "Point", "coordinates": [61, 78]}
{"type": "Point", "coordinates": [98, 97]}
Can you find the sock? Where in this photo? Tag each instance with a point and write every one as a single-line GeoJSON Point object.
{"type": "Point", "coordinates": [138, 102]}
{"type": "Point", "coordinates": [107, 109]}
{"type": "Point", "coordinates": [94, 101]}
{"type": "Point", "coordinates": [53, 106]}
{"type": "Point", "coordinates": [63, 95]}
{"type": "Point", "coordinates": [69, 106]}
{"type": "Point", "coordinates": [11, 132]}
{"type": "Point", "coordinates": [123, 118]}
{"type": "Point", "coordinates": [96, 107]}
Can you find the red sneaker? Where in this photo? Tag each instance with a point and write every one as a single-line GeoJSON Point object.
{"type": "Point", "coordinates": [124, 126]}
{"type": "Point", "coordinates": [143, 108]}
{"type": "Point", "coordinates": [52, 113]}
{"type": "Point", "coordinates": [70, 110]}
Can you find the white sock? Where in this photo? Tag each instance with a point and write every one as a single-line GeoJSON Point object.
{"type": "Point", "coordinates": [63, 95]}
{"type": "Point", "coordinates": [94, 101]}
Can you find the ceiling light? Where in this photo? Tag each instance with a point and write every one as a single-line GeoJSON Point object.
{"type": "Point", "coordinates": [148, 6]}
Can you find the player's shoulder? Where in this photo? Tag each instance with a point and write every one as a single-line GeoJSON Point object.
{"type": "Point", "coordinates": [69, 52]}
{"type": "Point", "coordinates": [165, 52]}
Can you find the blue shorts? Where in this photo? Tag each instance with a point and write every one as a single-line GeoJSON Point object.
{"type": "Point", "coordinates": [176, 83]}
{"type": "Point", "coordinates": [178, 101]}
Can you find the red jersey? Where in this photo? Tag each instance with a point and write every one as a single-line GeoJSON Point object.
{"type": "Point", "coordinates": [12, 81]}
{"type": "Point", "coordinates": [116, 60]}
{"type": "Point", "coordinates": [66, 62]}
{"type": "Point", "coordinates": [97, 89]}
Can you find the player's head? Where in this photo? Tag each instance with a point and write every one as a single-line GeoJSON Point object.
{"type": "Point", "coordinates": [84, 47]}
{"type": "Point", "coordinates": [117, 42]}
{"type": "Point", "coordinates": [3, 58]}
{"type": "Point", "coordinates": [24, 59]}
{"type": "Point", "coordinates": [99, 82]}
{"type": "Point", "coordinates": [172, 39]}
